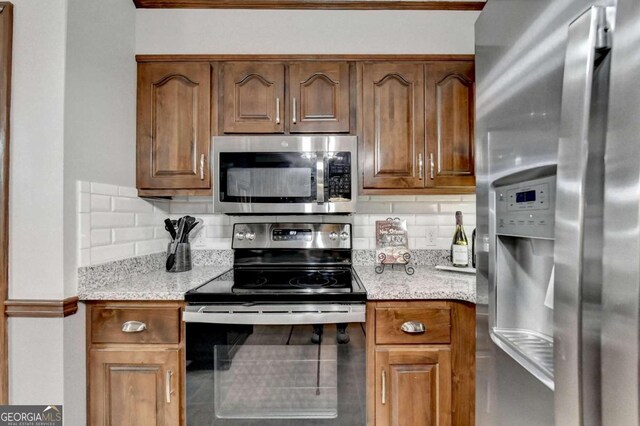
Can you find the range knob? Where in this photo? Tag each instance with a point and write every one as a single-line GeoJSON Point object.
{"type": "Point", "coordinates": [240, 235]}
{"type": "Point", "coordinates": [344, 235]}
{"type": "Point", "coordinates": [251, 236]}
{"type": "Point", "coordinates": [333, 236]}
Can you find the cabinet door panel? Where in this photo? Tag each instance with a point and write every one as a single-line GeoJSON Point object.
{"type": "Point", "coordinates": [173, 126]}
{"type": "Point", "coordinates": [393, 125]}
{"type": "Point", "coordinates": [450, 123]}
{"type": "Point", "coordinates": [413, 386]}
{"type": "Point", "coordinates": [253, 97]}
{"type": "Point", "coordinates": [319, 98]}
{"type": "Point", "coordinates": [134, 387]}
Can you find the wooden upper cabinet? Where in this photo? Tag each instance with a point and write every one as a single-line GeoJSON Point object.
{"type": "Point", "coordinates": [319, 97]}
{"type": "Point", "coordinates": [174, 110]}
{"type": "Point", "coordinates": [413, 386]}
{"type": "Point", "coordinates": [393, 125]}
{"type": "Point", "coordinates": [135, 387]}
{"type": "Point", "coordinates": [253, 94]}
{"type": "Point", "coordinates": [450, 123]}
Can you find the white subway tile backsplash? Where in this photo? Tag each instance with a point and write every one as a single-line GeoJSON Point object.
{"type": "Point", "coordinates": [151, 246]}
{"type": "Point", "coordinates": [360, 219]}
{"type": "Point", "coordinates": [364, 231]}
{"type": "Point", "coordinates": [361, 243]}
{"type": "Point", "coordinates": [446, 231]}
{"type": "Point", "coordinates": [415, 207]}
{"type": "Point", "coordinates": [84, 202]}
{"type": "Point", "coordinates": [84, 224]}
{"type": "Point", "coordinates": [160, 232]}
{"type": "Point", "coordinates": [100, 237]}
{"type": "Point", "coordinates": [215, 231]}
{"type": "Point", "coordinates": [423, 219]}
{"type": "Point", "coordinates": [161, 207]}
{"type": "Point", "coordinates": [216, 219]}
{"type": "Point", "coordinates": [100, 203]}
{"type": "Point", "coordinates": [123, 235]}
{"type": "Point", "coordinates": [219, 243]}
{"type": "Point", "coordinates": [102, 254]}
{"type": "Point", "coordinates": [82, 186]}
{"type": "Point", "coordinates": [442, 197]}
{"type": "Point", "coordinates": [373, 218]}
{"type": "Point", "coordinates": [149, 219]}
{"type": "Point", "coordinates": [104, 189]}
{"type": "Point", "coordinates": [113, 223]}
{"type": "Point", "coordinates": [465, 208]}
{"type": "Point", "coordinates": [189, 208]}
{"type": "Point", "coordinates": [444, 243]}
{"type": "Point", "coordinates": [397, 198]}
{"type": "Point", "coordinates": [136, 205]}
{"type": "Point", "coordinates": [84, 257]}
{"type": "Point", "coordinates": [134, 226]}
{"type": "Point", "coordinates": [112, 220]}
{"type": "Point", "coordinates": [251, 219]}
{"type": "Point", "coordinates": [125, 191]}
{"type": "Point", "coordinates": [416, 230]}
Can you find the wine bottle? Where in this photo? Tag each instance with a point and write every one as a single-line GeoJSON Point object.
{"type": "Point", "coordinates": [459, 245]}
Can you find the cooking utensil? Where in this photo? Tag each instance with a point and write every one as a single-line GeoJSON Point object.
{"type": "Point", "coordinates": [172, 257]}
{"type": "Point", "coordinates": [168, 225]}
{"type": "Point", "coordinates": [188, 222]}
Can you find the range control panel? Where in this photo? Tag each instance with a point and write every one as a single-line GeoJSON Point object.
{"type": "Point", "coordinates": [281, 234]}
{"type": "Point", "coordinates": [527, 208]}
{"type": "Point", "coordinates": [303, 236]}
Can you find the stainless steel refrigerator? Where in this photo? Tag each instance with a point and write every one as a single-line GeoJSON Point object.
{"type": "Point", "coordinates": [558, 212]}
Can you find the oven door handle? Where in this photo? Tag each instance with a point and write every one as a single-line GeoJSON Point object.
{"type": "Point", "coordinates": [320, 177]}
{"type": "Point", "coordinates": [274, 314]}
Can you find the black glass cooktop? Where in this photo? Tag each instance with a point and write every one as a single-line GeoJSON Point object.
{"type": "Point", "coordinates": [255, 284]}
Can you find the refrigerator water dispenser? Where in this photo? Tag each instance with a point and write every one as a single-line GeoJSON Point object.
{"type": "Point", "coordinates": [522, 318]}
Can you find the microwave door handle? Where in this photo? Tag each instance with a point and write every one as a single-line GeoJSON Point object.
{"type": "Point", "coordinates": [320, 178]}
{"type": "Point", "coordinates": [575, 183]}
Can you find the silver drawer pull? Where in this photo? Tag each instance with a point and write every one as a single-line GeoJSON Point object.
{"type": "Point", "coordinates": [133, 327]}
{"type": "Point", "coordinates": [413, 327]}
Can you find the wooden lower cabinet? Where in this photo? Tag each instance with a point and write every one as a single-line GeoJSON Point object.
{"type": "Point", "coordinates": [135, 387]}
{"type": "Point", "coordinates": [135, 363]}
{"type": "Point", "coordinates": [415, 386]}
{"type": "Point", "coordinates": [410, 383]}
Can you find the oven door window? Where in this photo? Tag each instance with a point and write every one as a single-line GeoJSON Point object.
{"type": "Point", "coordinates": [268, 177]}
{"type": "Point", "coordinates": [274, 375]}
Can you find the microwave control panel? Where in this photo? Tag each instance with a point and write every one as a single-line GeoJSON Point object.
{"type": "Point", "coordinates": [338, 187]}
{"type": "Point", "coordinates": [527, 208]}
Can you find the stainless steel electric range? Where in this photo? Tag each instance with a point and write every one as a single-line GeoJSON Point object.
{"type": "Point", "coordinates": [278, 340]}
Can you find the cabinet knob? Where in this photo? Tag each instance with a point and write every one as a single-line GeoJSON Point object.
{"type": "Point", "coordinates": [134, 327]}
{"type": "Point", "coordinates": [413, 327]}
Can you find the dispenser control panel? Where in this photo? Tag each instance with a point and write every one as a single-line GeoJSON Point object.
{"type": "Point", "coordinates": [526, 208]}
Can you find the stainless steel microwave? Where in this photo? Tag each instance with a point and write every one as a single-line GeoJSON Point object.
{"type": "Point", "coordinates": [285, 174]}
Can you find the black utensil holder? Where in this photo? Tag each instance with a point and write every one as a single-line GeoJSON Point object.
{"type": "Point", "coordinates": [182, 260]}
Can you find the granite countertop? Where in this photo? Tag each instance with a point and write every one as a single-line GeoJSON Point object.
{"type": "Point", "coordinates": [144, 278]}
{"type": "Point", "coordinates": [427, 283]}
{"type": "Point", "coordinates": [154, 285]}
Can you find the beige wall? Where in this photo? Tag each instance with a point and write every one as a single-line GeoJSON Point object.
{"type": "Point", "coordinates": [304, 31]}
{"type": "Point", "coordinates": [73, 117]}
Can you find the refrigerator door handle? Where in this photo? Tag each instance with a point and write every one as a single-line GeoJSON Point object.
{"type": "Point", "coordinates": [587, 42]}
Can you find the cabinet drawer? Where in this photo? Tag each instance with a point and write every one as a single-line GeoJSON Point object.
{"type": "Point", "coordinates": [389, 321]}
{"type": "Point", "coordinates": [155, 325]}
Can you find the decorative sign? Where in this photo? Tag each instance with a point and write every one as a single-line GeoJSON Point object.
{"type": "Point", "coordinates": [392, 241]}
